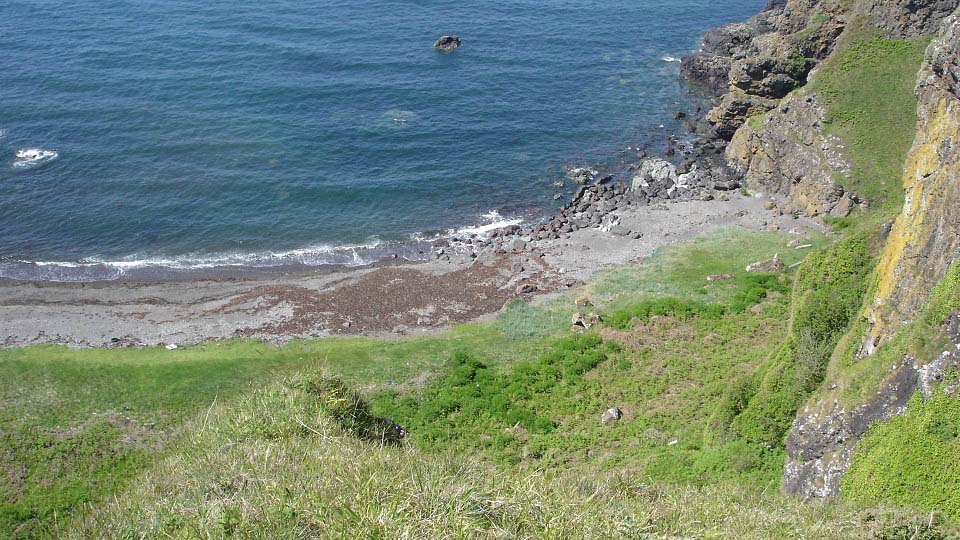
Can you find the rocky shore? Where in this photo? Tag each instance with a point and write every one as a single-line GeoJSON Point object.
{"type": "Point", "coordinates": [605, 223]}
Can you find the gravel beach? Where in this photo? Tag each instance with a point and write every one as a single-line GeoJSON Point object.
{"type": "Point", "coordinates": [391, 300]}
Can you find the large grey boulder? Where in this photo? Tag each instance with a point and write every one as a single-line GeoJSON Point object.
{"type": "Point", "coordinates": [656, 178]}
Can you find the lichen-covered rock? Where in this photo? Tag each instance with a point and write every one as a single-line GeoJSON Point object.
{"type": "Point", "coordinates": [787, 153]}
{"type": "Point", "coordinates": [734, 109]}
{"type": "Point", "coordinates": [824, 435]}
{"type": "Point", "coordinates": [920, 249]}
{"type": "Point", "coordinates": [924, 241]}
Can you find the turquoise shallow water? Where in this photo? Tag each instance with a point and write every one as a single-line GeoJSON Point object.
{"type": "Point", "coordinates": [204, 134]}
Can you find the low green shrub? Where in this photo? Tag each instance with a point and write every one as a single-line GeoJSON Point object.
{"type": "Point", "coordinates": [472, 403]}
{"type": "Point", "coordinates": [827, 296]}
{"type": "Point", "coordinates": [681, 309]}
{"type": "Point", "coordinates": [911, 460]}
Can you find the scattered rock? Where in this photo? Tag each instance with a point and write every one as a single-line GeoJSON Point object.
{"type": "Point", "coordinates": [611, 415]}
{"type": "Point", "coordinates": [656, 178]}
{"type": "Point", "coordinates": [719, 277]}
{"type": "Point", "coordinates": [526, 288]}
{"type": "Point", "coordinates": [771, 266]}
{"type": "Point", "coordinates": [581, 322]}
{"type": "Point", "coordinates": [582, 301]}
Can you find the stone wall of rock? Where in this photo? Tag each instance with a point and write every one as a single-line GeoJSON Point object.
{"type": "Point", "coordinates": [925, 238]}
{"type": "Point", "coordinates": [920, 248]}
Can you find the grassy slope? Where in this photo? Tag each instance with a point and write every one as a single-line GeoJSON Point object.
{"type": "Point", "coordinates": [67, 415]}
{"type": "Point", "coordinates": [275, 466]}
{"type": "Point", "coordinates": [77, 425]}
{"type": "Point", "coordinates": [867, 87]}
{"type": "Point", "coordinates": [909, 460]}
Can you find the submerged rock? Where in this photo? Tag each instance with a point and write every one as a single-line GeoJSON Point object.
{"type": "Point", "coordinates": [582, 175]}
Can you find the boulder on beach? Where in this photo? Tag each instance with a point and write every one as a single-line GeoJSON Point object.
{"type": "Point", "coordinates": [447, 43]}
{"type": "Point", "coordinates": [656, 178]}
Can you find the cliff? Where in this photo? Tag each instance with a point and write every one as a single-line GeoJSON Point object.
{"type": "Point", "coordinates": [784, 138]}
{"type": "Point", "coordinates": [910, 327]}
{"type": "Point", "coordinates": [824, 112]}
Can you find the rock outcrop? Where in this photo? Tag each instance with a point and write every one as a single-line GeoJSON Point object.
{"type": "Point", "coordinates": [786, 153]}
{"type": "Point", "coordinates": [920, 249]}
{"type": "Point", "coordinates": [924, 240]}
{"type": "Point", "coordinates": [754, 65]}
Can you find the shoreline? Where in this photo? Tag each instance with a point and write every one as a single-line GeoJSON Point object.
{"type": "Point", "coordinates": [391, 300]}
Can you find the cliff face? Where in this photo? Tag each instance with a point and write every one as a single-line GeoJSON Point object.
{"type": "Point", "coordinates": [777, 128]}
{"type": "Point", "coordinates": [920, 249]}
{"type": "Point", "coordinates": [926, 235]}
{"type": "Point", "coordinates": [787, 154]}
{"type": "Point", "coordinates": [756, 67]}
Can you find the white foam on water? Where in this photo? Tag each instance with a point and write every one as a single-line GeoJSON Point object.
{"type": "Point", "coordinates": [96, 268]}
{"type": "Point", "coordinates": [347, 255]}
{"type": "Point", "coordinates": [33, 157]}
{"type": "Point", "coordinates": [670, 59]}
{"type": "Point", "coordinates": [493, 221]}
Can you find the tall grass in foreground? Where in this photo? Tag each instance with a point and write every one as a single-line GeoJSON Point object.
{"type": "Point", "coordinates": [276, 466]}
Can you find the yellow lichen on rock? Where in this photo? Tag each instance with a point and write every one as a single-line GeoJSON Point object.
{"type": "Point", "coordinates": [923, 241]}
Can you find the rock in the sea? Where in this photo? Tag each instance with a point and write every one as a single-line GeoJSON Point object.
{"type": "Point", "coordinates": [611, 415]}
{"type": "Point", "coordinates": [447, 43]}
{"type": "Point", "coordinates": [771, 266]}
{"type": "Point", "coordinates": [582, 175]}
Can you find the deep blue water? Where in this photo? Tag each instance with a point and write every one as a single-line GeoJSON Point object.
{"type": "Point", "coordinates": [226, 132]}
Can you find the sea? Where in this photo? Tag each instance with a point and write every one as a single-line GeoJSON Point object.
{"type": "Point", "coordinates": [153, 138]}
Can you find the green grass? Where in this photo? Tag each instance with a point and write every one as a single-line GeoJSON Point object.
{"type": "Point", "coordinates": [76, 425]}
{"type": "Point", "coordinates": [911, 460]}
{"type": "Point", "coordinates": [681, 271]}
{"type": "Point", "coordinates": [867, 87]}
{"type": "Point", "coordinates": [223, 440]}
{"type": "Point", "coordinates": [827, 296]}
{"type": "Point", "coordinates": [275, 465]}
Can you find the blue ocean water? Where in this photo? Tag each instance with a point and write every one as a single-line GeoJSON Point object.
{"type": "Point", "coordinates": [202, 134]}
